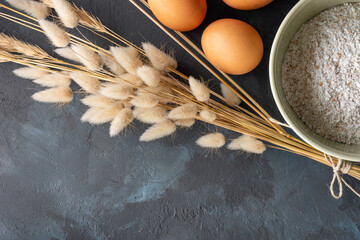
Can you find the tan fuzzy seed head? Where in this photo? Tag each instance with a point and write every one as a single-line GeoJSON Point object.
{"type": "Point", "coordinates": [121, 121]}
{"type": "Point", "coordinates": [66, 13]}
{"type": "Point", "coordinates": [116, 91]}
{"type": "Point", "coordinates": [229, 95]}
{"type": "Point", "coordinates": [248, 144]}
{"type": "Point", "coordinates": [36, 9]}
{"type": "Point", "coordinates": [144, 101]}
{"type": "Point", "coordinates": [158, 130]}
{"type": "Point", "coordinates": [97, 116]}
{"type": "Point", "coordinates": [185, 123]}
{"type": "Point", "coordinates": [112, 65]}
{"type": "Point", "coordinates": [88, 57]}
{"type": "Point", "coordinates": [54, 95]}
{"type": "Point", "coordinates": [98, 101]}
{"type": "Point", "coordinates": [185, 111]}
{"type": "Point", "coordinates": [151, 115]}
{"type": "Point", "coordinates": [208, 115]}
{"type": "Point", "coordinates": [30, 73]}
{"type": "Point", "coordinates": [149, 75]}
{"type": "Point", "coordinates": [212, 140]}
{"type": "Point", "coordinates": [67, 53]}
{"type": "Point", "coordinates": [57, 35]}
{"type": "Point", "coordinates": [160, 60]}
{"type": "Point", "coordinates": [130, 79]}
{"type": "Point", "coordinates": [54, 80]}
{"type": "Point", "coordinates": [127, 57]}
{"type": "Point", "coordinates": [200, 91]}
{"type": "Point", "coordinates": [86, 82]}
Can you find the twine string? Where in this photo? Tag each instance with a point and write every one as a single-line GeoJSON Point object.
{"type": "Point", "coordinates": [342, 167]}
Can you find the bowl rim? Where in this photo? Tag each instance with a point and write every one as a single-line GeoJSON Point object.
{"type": "Point", "coordinates": [328, 150]}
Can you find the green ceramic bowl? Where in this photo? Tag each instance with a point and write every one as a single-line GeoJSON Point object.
{"type": "Point", "coordinates": [301, 13]}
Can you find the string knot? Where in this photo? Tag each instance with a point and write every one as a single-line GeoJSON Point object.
{"type": "Point", "coordinates": [342, 167]}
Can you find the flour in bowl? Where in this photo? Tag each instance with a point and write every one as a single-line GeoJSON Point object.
{"type": "Point", "coordinates": [321, 73]}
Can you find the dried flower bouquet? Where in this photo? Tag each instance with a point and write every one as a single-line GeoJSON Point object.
{"type": "Point", "coordinates": [126, 82]}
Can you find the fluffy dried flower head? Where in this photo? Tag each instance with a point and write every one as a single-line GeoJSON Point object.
{"type": "Point", "coordinates": [188, 110]}
{"type": "Point", "coordinates": [146, 101]}
{"type": "Point", "coordinates": [229, 95]}
{"type": "Point", "coordinates": [160, 60]}
{"type": "Point", "coordinates": [30, 73]}
{"type": "Point", "coordinates": [158, 130]}
{"type": "Point", "coordinates": [149, 75]}
{"type": "Point", "coordinates": [248, 144]}
{"type": "Point", "coordinates": [116, 91]}
{"type": "Point", "coordinates": [66, 13]}
{"type": "Point", "coordinates": [130, 79]}
{"type": "Point", "coordinates": [97, 116]}
{"type": "Point", "coordinates": [199, 89]}
{"type": "Point", "coordinates": [57, 35]}
{"type": "Point", "coordinates": [212, 140]}
{"type": "Point", "coordinates": [88, 57]}
{"type": "Point", "coordinates": [54, 95]}
{"type": "Point", "coordinates": [36, 9]}
{"type": "Point", "coordinates": [86, 82]}
{"type": "Point", "coordinates": [67, 53]}
{"type": "Point", "coordinates": [121, 121]}
{"type": "Point", "coordinates": [151, 115]}
{"type": "Point", "coordinates": [185, 123]}
{"type": "Point", "coordinates": [127, 57]}
{"type": "Point", "coordinates": [112, 65]}
{"type": "Point", "coordinates": [54, 80]}
{"type": "Point", "coordinates": [208, 116]}
{"type": "Point", "coordinates": [98, 101]}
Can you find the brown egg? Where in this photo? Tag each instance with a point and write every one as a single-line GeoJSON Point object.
{"type": "Point", "coordinates": [179, 15]}
{"type": "Point", "coordinates": [247, 4]}
{"type": "Point", "coordinates": [232, 46]}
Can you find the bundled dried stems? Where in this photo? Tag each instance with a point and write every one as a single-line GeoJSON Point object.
{"type": "Point", "coordinates": [127, 82]}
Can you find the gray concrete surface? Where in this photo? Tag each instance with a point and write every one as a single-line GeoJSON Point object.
{"type": "Point", "coordinates": [61, 179]}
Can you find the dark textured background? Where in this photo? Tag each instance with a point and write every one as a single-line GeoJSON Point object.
{"type": "Point", "coordinates": [61, 179]}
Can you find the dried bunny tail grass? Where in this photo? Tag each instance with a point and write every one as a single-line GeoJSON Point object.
{"type": "Point", "coordinates": [98, 116]}
{"type": "Point", "coordinates": [86, 82]}
{"type": "Point", "coordinates": [248, 144]}
{"type": "Point", "coordinates": [200, 91]}
{"type": "Point", "coordinates": [185, 123]}
{"type": "Point", "coordinates": [112, 65]}
{"type": "Point", "coordinates": [67, 53]}
{"type": "Point", "coordinates": [66, 13]}
{"type": "Point", "coordinates": [151, 115]}
{"type": "Point", "coordinates": [208, 116]}
{"type": "Point", "coordinates": [57, 35]}
{"type": "Point", "coordinates": [127, 57]}
{"type": "Point", "coordinates": [12, 44]}
{"type": "Point", "coordinates": [160, 60]}
{"type": "Point", "coordinates": [54, 95]}
{"type": "Point", "coordinates": [116, 91]}
{"type": "Point", "coordinates": [88, 57]}
{"type": "Point", "coordinates": [121, 121]}
{"type": "Point", "coordinates": [212, 140]}
{"type": "Point", "coordinates": [130, 80]}
{"type": "Point", "coordinates": [229, 95]}
{"type": "Point", "coordinates": [144, 101]}
{"type": "Point", "coordinates": [158, 131]}
{"type": "Point", "coordinates": [188, 110]}
{"type": "Point", "coordinates": [98, 101]}
{"type": "Point", "coordinates": [36, 9]}
{"type": "Point", "coordinates": [54, 80]}
{"type": "Point", "coordinates": [30, 73]}
{"type": "Point", "coordinates": [149, 75]}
